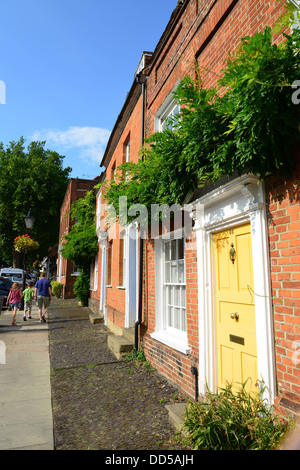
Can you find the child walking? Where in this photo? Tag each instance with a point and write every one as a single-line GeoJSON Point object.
{"type": "Point", "coordinates": [28, 295]}
{"type": "Point", "coordinates": [14, 298]}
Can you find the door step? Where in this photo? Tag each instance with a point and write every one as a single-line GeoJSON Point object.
{"type": "Point", "coordinates": [120, 345]}
{"type": "Point", "coordinates": [96, 318]}
{"type": "Point", "coordinates": [176, 415]}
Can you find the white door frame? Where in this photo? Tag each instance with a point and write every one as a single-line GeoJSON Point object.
{"type": "Point", "coordinates": [102, 240]}
{"type": "Point", "coordinates": [239, 201]}
{"type": "Point", "coordinates": [130, 247]}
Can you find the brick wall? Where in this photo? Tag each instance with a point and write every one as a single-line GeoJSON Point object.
{"type": "Point", "coordinates": [77, 188]}
{"type": "Point", "coordinates": [131, 131]}
{"type": "Point", "coordinates": [283, 199]}
{"type": "Point", "coordinates": [169, 362]}
{"type": "Point", "coordinates": [201, 35]}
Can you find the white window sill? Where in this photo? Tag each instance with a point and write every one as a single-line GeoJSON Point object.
{"type": "Point", "coordinates": [171, 341]}
{"type": "Point", "coordinates": [121, 287]}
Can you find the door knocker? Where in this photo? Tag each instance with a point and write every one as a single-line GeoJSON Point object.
{"type": "Point", "coordinates": [232, 253]}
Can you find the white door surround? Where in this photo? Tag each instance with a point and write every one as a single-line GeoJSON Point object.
{"type": "Point", "coordinates": [242, 200]}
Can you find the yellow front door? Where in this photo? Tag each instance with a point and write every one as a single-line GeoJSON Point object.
{"type": "Point", "coordinates": [236, 336]}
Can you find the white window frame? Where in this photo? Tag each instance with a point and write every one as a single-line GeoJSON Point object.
{"type": "Point", "coordinates": [169, 108]}
{"type": "Point", "coordinates": [172, 110]}
{"type": "Point", "coordinates": [170, 303]}
{"type": "Point", "coordinates": [96, 273]}
{"type": "Point", "coordinates": [124, 263]}
{"type": "Point", "coordinates": [172, 337]}
{"type": "Point", "coordinates": [127, 151]}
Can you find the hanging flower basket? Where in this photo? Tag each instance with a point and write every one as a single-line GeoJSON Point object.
{"type": "Point", "coordinates": [36, 264]}
{"type": "Point", "coordinates": [24, 242]}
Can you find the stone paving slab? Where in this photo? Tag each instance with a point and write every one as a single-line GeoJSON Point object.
{"type": "Point", "coordinates": [25, 390]}
{"type": "Point", "coordinates": [61, 388]}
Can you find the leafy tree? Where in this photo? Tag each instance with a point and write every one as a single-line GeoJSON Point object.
{"type": "Point", "coordinates": [32, 178]}
{"type": "Point", "coordinates": [81, 244]}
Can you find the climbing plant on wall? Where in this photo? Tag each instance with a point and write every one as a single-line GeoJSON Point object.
{"type": "Point", "coordinates": [81, 245]}
{"type": "Point", "coordinates": [247, 123]}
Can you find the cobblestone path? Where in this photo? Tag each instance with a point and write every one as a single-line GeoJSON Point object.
{"type": "Point", "coordinates": [99, 402]}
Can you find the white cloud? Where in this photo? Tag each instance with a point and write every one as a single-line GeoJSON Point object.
{"type": "Point", "coordinates": [89, 142]}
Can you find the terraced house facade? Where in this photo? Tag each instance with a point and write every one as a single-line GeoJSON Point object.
{"type": "Point", "coordinates": [221, 304]}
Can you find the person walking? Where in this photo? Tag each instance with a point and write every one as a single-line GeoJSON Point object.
{"type": "Point", "coordinates": [14, 298]}
{"type": "Point", "coordinates": [43, 296]}
{"type": "Point", "coordinates": [28, 296]}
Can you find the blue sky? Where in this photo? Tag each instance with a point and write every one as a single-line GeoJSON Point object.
{"type": "Point", "coordinates": [66, 67]}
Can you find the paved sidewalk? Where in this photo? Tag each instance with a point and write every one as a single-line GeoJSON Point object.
{"type": "Point", "coordinates": [25, 392]}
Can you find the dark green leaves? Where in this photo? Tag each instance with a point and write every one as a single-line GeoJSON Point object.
{"type": "Point", "coordinates": [249, 123]}
{"type": "Point", "coordinates": [80, 245]}
{"type": "Point", "coordinates": [32, 178]}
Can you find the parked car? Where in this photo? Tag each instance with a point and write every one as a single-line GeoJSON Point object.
{"type": "Point", "coordinates": [16, 275]}
{"type": "Point", "coordinates": [5, 286]}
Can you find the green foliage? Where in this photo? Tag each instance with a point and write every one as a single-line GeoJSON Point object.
{"type": "Point", "coordinates": [289, 17]}
{"type": "Point", "coordinates": [237, 420]}
{"type": "Point", "coordinates": [57, 288]}
{"type": "Point", "coordinates": [32, 178]}
{"type": "Point", "coordinates": [82, 286]}
{"type": "Point", "coordinates": [263, 121]}
{"type": "Point", "coordinates": [138, 356]}
{"type": "Point", "coordinates": [248, 123]}
{"type": "Point", "coordinates": [80, 245]}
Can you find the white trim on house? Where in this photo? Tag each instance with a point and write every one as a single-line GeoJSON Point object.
{"type": "Point", "coordinates": [239, 201]}
{"type": "Point", "coordinates": [169, 108]}
{"type": "Point", "coordinates": [130, 250]}
{"type": "Point", "coordinates": [171, 337]}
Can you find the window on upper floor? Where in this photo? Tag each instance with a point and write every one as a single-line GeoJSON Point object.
{"type": "Point", "coordinates": [167, 110]}
{"type": "Point", "coordinates": [127, 151]}
{"type": "Point", "coordinates": [165, 118]}
{"type": "Point", "coordinates": [113, 171]}
{"type": "Point", "coordinates": [109, 263]}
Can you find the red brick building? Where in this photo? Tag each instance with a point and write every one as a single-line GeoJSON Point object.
{"type": "Point", "coordinates": [66, 271]}
{"type": "Point", "coordinates": [224, 302]}
{"type": "Point", "coordinates": [114, 272]}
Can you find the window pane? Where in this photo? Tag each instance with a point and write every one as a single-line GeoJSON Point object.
{"type": "Point", "coordinates": [167, 251]}
{"type": "Point", "coordinates": [177, 296]}
{"type": "Point", "coordinates": [167, 272]}
{"type": "Point", "coordinates": [183, 296]}
{"type": "Point", "coordinates": [170, 296]}
{"type": "Point", "coordinates": [174, 280]}
{"type": "Point", "coordinates": [176, 323]}
{"type": "Point", "coordinates": [174, 272]}
{"type": "Point", "coordinates": [180, 249]}
{"type": "Point", "coordinates": [173, 250]}
{"type": "Point", "coordinates": [181, 271]}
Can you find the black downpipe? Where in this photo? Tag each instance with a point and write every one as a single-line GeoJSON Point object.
{"type": "Point", "coordinates": [194, 371]}
{"type": "Point", "coordinates": [140, 305]}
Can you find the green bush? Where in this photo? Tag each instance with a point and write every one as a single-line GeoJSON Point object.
{"type": "Point", "coordinates": [57, 288]}
{"type": "Point", "coordinates": [82, 287]}
{"type": "Point", "coordinates": [234, 420]}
